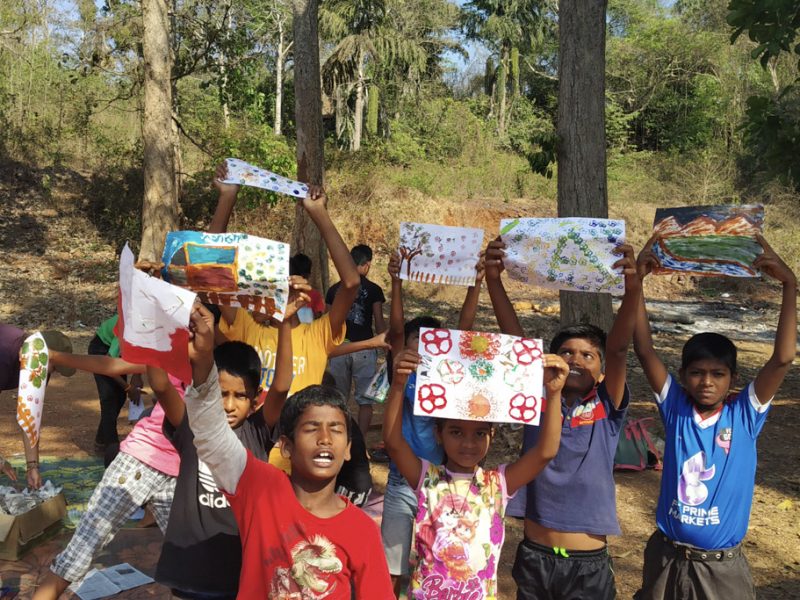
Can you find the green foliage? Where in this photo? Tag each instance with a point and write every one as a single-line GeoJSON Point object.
{"type": "Point", "coordinates": [372, 110]}
{"type": "Point", "coordinates": [772, 25]}
{"type": "Point", "coordinates": [772, 133]}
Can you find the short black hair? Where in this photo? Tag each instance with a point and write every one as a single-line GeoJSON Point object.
{"type": "Point", "coordinates": [313, 395]}
{"type": "Point", "coordinates": [361, 254]}
{"type": "Point", "coordinates": [240, 360]}
{"type": "Point", "coordinates": [704, 346]}
{"type": "Point", "coordinates": [300, 264]}
{"type": "Point", "coordinates": [414, 325]}
{"type": "Point", "coordinates": [593, 334]}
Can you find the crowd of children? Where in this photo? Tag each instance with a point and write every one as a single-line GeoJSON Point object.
{"type": "Point", "coordinates": [255, 471]}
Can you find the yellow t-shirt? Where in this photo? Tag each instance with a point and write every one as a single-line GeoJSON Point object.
{"type": "Point", "coordinates": [311, 344]}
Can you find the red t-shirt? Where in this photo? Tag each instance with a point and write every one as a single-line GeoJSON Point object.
{"type": "Point", "coordinates": [287, 550]}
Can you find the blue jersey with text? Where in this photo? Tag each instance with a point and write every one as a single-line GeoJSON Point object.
{"type": "Point", "coordinates": [709, 468]}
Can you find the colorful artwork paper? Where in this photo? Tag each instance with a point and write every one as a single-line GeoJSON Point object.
{"type": "Point", "coordinates": [574, 253]}
{"type": "Point", "coordinates": [479, 376]}
{"type": "Point", "coordinates": [242, 173]}
{"type": "Point", "coordinates": [34, 359]}
{"type": "Point", "coordinates": [231, 269]}
{"type": "Point", "coordinates": [708, 240]}
{"type": "Point", "coordinates": [153, 325]}
{"type": "Point", "coordinates": [439, 254]}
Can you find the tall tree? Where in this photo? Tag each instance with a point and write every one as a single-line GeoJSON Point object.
{"type": "Point", "coordinates": [160, 205]}
{"type": "Point", "coordinates": [306, 237]}
{"type": "Point", "coordinates": [581, 146]}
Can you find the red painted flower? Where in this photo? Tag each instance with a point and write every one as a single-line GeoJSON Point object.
{"type": "Point", "coordinates": [527, 351]}
{"type": "Point", "coordinates": [436, 341]}
{"type": "Point", "coordinates": [474, 345]}
{"type": "Point", "coordinates": [523, 408]}
{"type": "Point", "coordinates": [431, 397]}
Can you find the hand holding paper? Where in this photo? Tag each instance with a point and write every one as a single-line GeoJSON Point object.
{"type": "Point", "coordinates": [239, 172]}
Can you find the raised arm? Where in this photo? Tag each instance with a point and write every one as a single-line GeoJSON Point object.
{"type": "Point", "coordinates": [466, 318]}
{"type": "Point", "coordinates": [408, 463]}
{"type": "Point", "coordinates": [222, 215]}
{"type": "Point", "coordinates": [771, 375]}
{"type": "Point", "coordinates": [315, 204]}
{"type": "Point", "coordinates": [653, 368]}
{"type": "Point", "coordinates": [529, 465]}
{"type": "Point", "coordinates": [396, 316]}
{"type": "Point", "coordinates": [619, 338]}
{"type": "Point", "coordinates": [216, 443]}
{"type": "Point", "coordinates": [167, 395]}
{"type": "Point", "coordinates": [503, 309]}
{"type": "Point", "coordinates": [377, 317]}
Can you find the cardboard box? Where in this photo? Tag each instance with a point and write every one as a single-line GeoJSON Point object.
{"type": "Point", "coordinates": [19, 533]}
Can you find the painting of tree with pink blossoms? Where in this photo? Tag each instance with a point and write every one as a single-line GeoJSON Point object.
{"type": "Point", "coordinates": [438, 253]}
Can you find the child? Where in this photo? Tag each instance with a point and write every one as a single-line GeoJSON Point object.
{"type": "Point", "coordinates": [311, 342]}
{"type": "Point", "coordinates": [202, 556]}
{"type": "Point", "coordinates": [459, 526]}
{"type": "Point", "coordinates": [359, 367]}
{"type": "Point", "coordinates": [300, 265]}
{"type": "Point", "coordinates": [400, 501]}
{"type": "Point", "coordinates": [564, 553]}
{"type": "Point", "coordinates": [710, 456]}
{"type": "Point", "coordinates": [298, 536]}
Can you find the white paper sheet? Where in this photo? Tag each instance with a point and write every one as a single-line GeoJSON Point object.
{"type": "Point", "coordinates": [479, 376]}
{"type": "Point", "coordinates": [242, 173]}
{"type": "Point", "coordinates": [34, 360]}
{"type": "Point", "coordinates": [438, 253]}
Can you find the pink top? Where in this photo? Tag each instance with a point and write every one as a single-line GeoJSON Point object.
{"type": "Point", "coordinates": [147, 444]}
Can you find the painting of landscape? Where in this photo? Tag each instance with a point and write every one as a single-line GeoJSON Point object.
{"type": "Point", "coordinates": [708, 240]}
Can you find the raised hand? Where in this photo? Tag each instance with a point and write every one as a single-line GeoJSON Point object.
{"type": "Point", "coordinates": [220, 175]}
{"type": "Point", "coordinates": [493, 259]}
{"type": "Point", "coordinates": [406, 363]}
{"type": "Point", "coordinates": [152, 268]}
{"type": "Point", "coordinates": [480, 268]}
{"type": "Point", "coordinates": [556, 372]}
{"type": "Point", "coordinates": [298, 295]}
{"type": "Point", "coordinates": [647, 259]}
{"type": "Point", "coordinates": [769, 263]}
{"type": "Point", "coordinates": [394, 266]}
{"type": "Point", "coordinates": [316, 199]}
{"type": "Point", "coordinates": [628, 267]}
{"type": "Point", "coordinates": [379, 342]}
{"type": "Point", "coordinates": [201, 334]}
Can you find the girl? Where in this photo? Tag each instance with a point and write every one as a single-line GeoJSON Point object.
{"type": "Point", "coordinates": [459, 525]}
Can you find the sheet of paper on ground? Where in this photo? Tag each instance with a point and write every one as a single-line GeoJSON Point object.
{"type": "Point", "coordinates": [110, 582]}
{"type": "Point", "coordinates": [232, 269]}
{"type": "Point", "coordinates": [708, 240]}
{"type": "Point", "coordinates": [242, 173]}
{"type": "Point", "coordinates": [574, 254]}
{"type": "Point", "coordinates": [33, 365]}
{"type": "Point", "coordinates": [153, 327]}
{"type": "Point", "coordinates": [479, 376]}
{"type": "Point", "coordinates": [439, 254]}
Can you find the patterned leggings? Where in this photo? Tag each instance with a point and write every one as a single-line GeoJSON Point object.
{"type": "Point", "coordinates": [126, 485]}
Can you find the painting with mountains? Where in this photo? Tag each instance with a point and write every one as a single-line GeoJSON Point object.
{"type": "Point", "coordinates": [708, 240]}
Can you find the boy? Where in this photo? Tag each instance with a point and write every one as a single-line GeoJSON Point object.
{"type": "Point", "coordinates": [400, 500]}
{"type": "Point", "coordinates": [564, 553]}
{"type": "Point", "coordinates": [360, 366]}
{"type": "Point", "coordinates": [300, 265]}
{"type": "Point", "coordinates": [710, 457]}
{"type": "Point", "coordinates": [201, 556]}
{"type": "Point", "coordinates": [298, 536]}
{"type": "Point", "coordinates": [311, 342]}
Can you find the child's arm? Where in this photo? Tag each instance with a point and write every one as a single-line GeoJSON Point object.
{"type": "Point", "coordinates": [167, 395]}
{"type": "Point", "coordinates": [282, 380]}
{"type": "Point", "coordinates": [376, 342]}
{"type": "Point", "coordinates": [94, 363]}
{"type": "Point", "coordinates": [216, 443]}
{"type": "Point", "coordinates": [466, 319]}
{"type": "Point", "coordinates": [653, 368]}
{"type": "Point", "coordinates": [527, 467]}
{"type": "Point", "coordinates": [219, 222]}
{"type": "Point", "coordinates": [34, 478]}
{"type": "Point", "coordinates": [377, 316]}
{"type": "Point", "coordinates": [315, 205]}
{"type": "Point", "coordinates": [771, 375]}
{"type": "Point", "coordinates": [408, 463]}
{"type": "Point", "coordinates": [619, 337]}
{"type": "Point", "coordinates": [396, 316]}
{"type": "Point", "coordinates": [5, 467]}
{"type": "Point", "coordinates": [503, 309]}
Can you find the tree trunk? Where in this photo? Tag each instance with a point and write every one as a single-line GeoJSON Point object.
{"type": "Point", "coordinates": [160, 205]}
{"type": "Point", "coordinates": [308, 121]}
{"type": "Point", "coordinates": [359, 107]}
{"type": "Point", "coordinates": [222, 64]}
{"type": "Point", "coordinates": [502, 84]}
{"type": "Point", "coordinates": [373, 100]}
{"type": "Point", "coordinates": [581, 147]}
{"type": "Point", "coordinates": [279, 80]}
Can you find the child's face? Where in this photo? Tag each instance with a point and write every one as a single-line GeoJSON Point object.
{"type": "Point", "coordinates": [320, 444]}
{"type": "Point", "coordinates": [237, 400]}
{"type": "Point", "coordinates": [465, 443]}
{"type": "Point", "coordinates": [707, 381]}
{"type": "Point", "coordinates": [412, 341]}
{"type": "Point", "coordinates": [585, 365]}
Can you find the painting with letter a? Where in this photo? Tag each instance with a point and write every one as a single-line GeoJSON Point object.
{"type": "Point", "coordinates": [708, 240]}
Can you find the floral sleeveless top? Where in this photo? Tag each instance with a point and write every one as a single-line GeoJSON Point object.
{"type": "Point", "coordinates": [459, 533]}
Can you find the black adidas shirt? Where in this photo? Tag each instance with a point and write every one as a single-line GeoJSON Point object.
{"type": "Point", "coordinates": [202, 552]}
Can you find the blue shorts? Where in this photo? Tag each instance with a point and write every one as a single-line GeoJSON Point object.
{"type": "Point", "coordinates": [397, 523]}
{"type": "Point", "coordinates": [358, 368]}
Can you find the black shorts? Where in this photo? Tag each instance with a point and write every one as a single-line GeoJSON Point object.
{"type": "Point", "coordinates": [541, 574]}
{"type": "Point", "coordinates": [675, 572]}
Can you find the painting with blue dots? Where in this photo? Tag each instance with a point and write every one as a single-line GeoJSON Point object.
{"type": "Point", "coordinates": [242, 173]}
{"type": "Point", "coordinates": [574, 253]}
